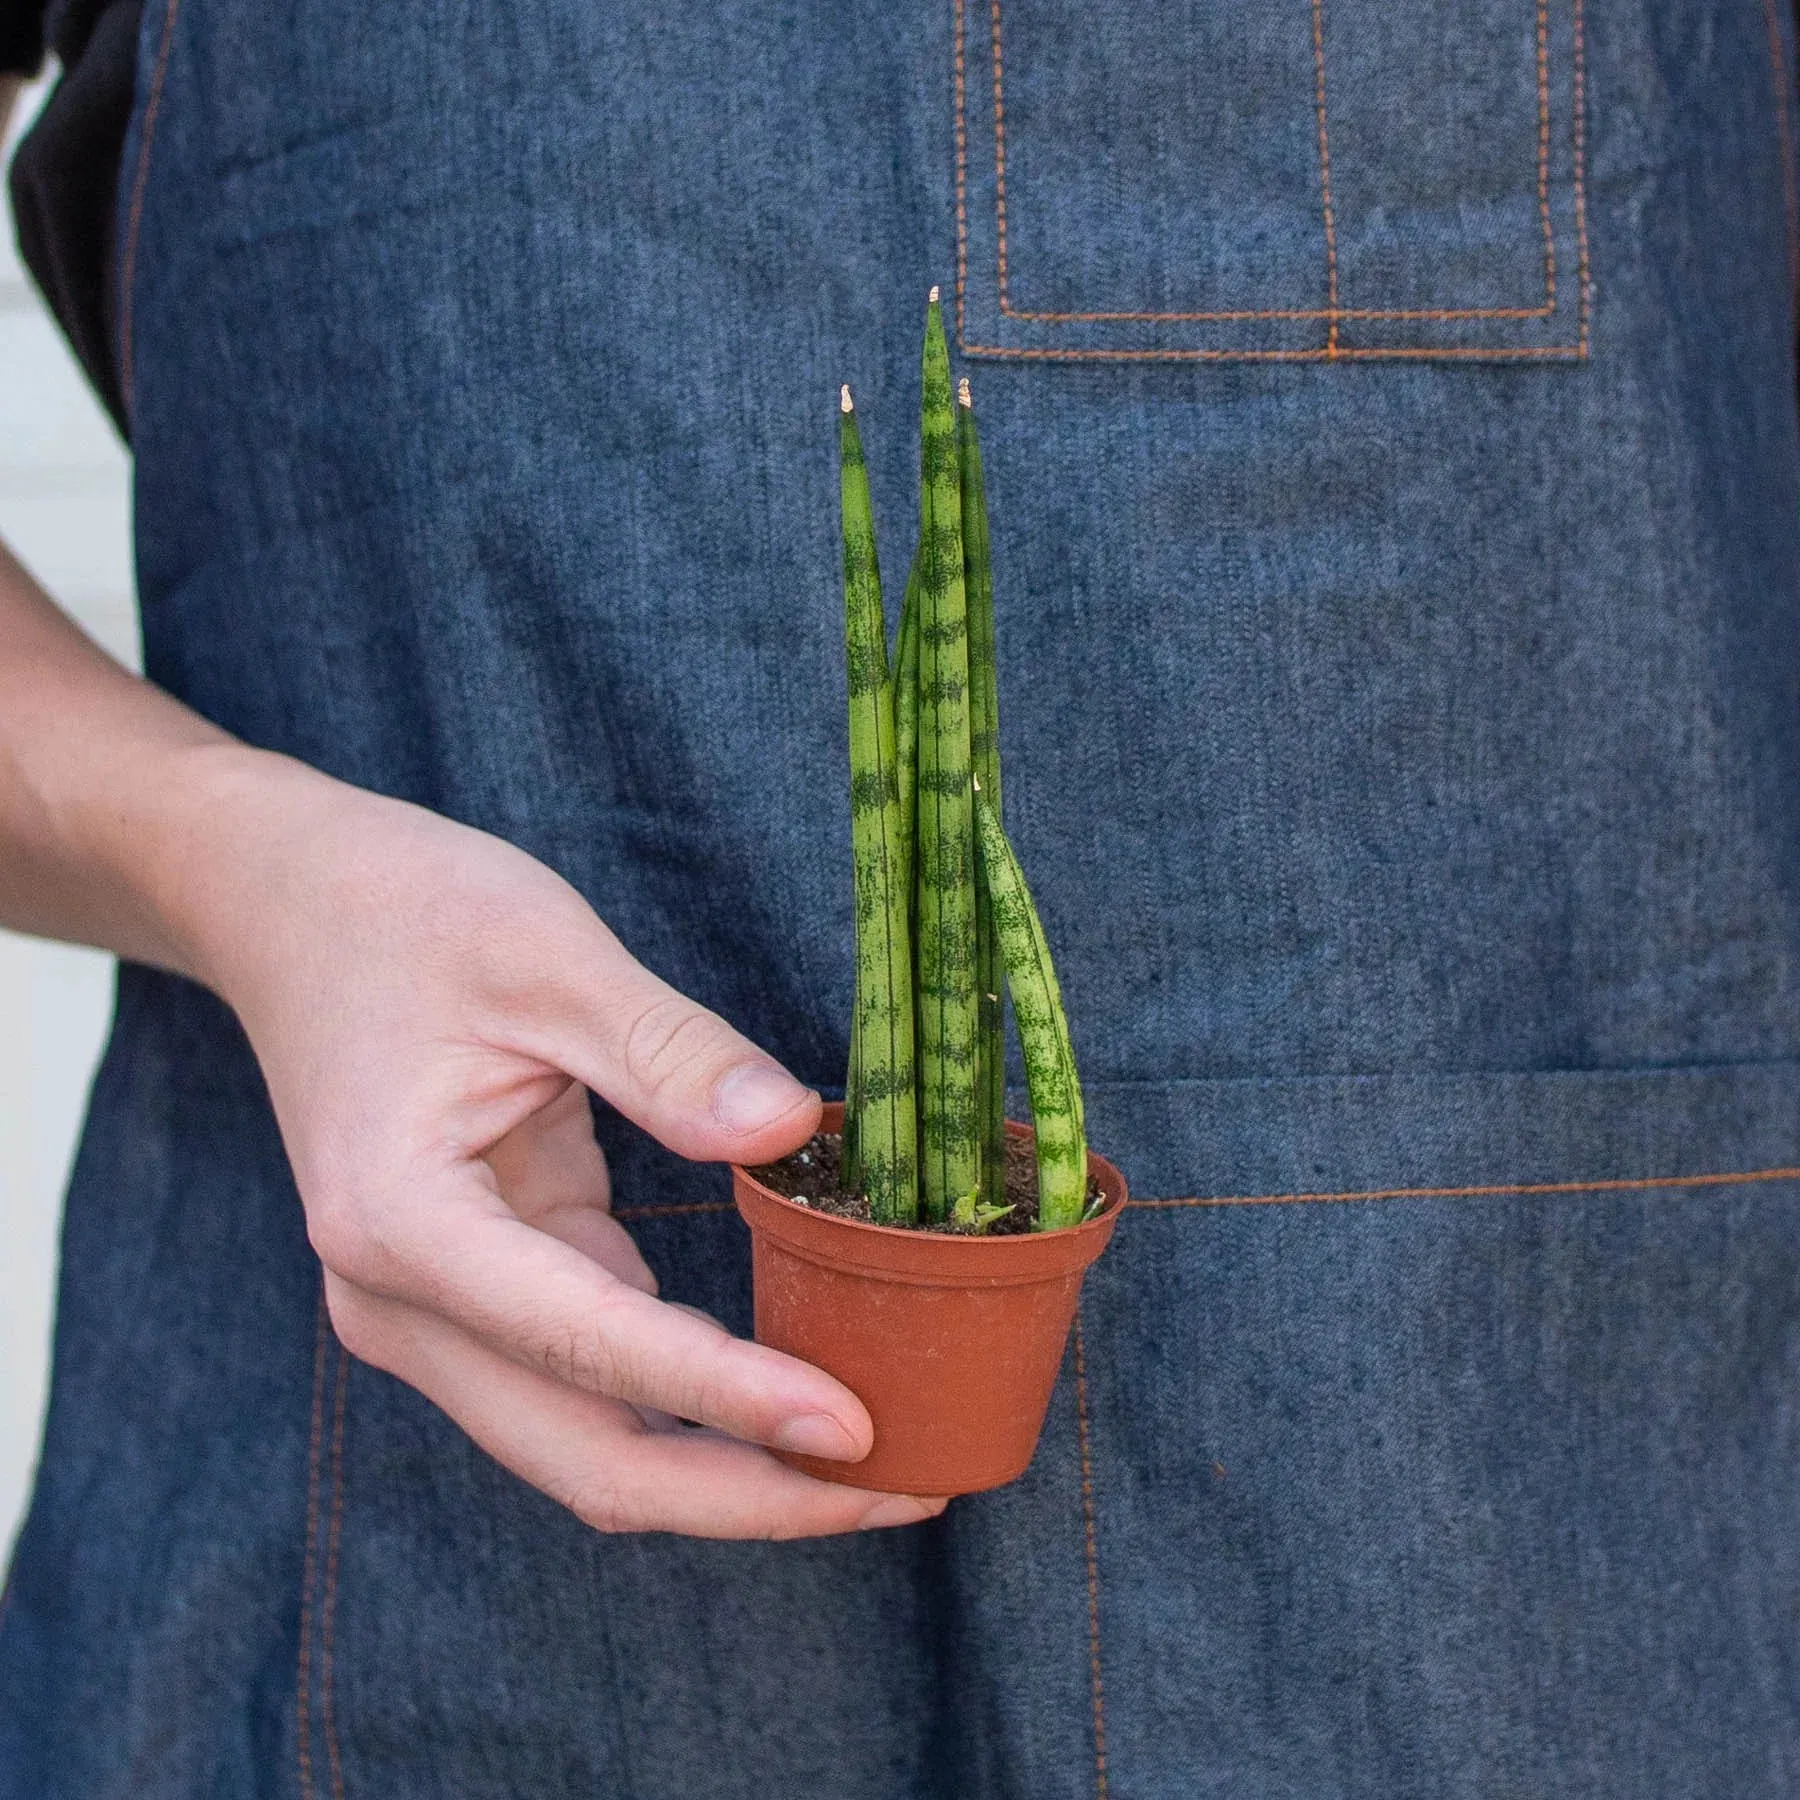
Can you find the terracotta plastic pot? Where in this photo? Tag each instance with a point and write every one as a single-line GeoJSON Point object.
{"type": "Point", "coordinates": [952, 1343]}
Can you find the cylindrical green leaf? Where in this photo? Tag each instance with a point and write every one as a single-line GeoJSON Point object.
{"type": "Point", "coordinates": [906, 751]}
{"type": "Point", "coordinates": [906, 718]}
{"type": "Point", "coordinates": [884, 1138]}
{"type": "Point", "coordinates": [1055, 1088]}
{"type": "Point", "coordinates": [984, 757]}
{"type": "Point", "coordinates": [944, 861]}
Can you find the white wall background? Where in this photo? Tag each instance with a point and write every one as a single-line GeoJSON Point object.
{"type": "Point", "coordinates": [65, 498]}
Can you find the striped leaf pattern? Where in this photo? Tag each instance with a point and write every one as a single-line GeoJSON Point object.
{"type": "Point", "coordinates": [881, 1098]}
{"type": "Point", "coordinates": [944, 860]}
{"type": "Point", "coordinates": [1056, 1106]}
{"type": "Point", "coordinates": [906, 755]}
{"type": "Point", "coordinates": [906, 718]}
{"type": "Point", "coordinates": [984, 758]}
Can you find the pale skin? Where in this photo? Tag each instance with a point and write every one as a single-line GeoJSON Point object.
{"type": "Point", "coordinates": [430, 1007]}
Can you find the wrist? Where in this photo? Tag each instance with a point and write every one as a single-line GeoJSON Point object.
{"type": "Point", "coordinates": [228, 830]}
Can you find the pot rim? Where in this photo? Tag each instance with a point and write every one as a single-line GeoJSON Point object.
{"type": "Point", "coordinates": [1116, 1200]}
{"type": "Point", "coordinates": [834, 1241]}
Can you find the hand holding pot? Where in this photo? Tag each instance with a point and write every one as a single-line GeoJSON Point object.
{"type": "Point", "coordinates": [427, 1003]}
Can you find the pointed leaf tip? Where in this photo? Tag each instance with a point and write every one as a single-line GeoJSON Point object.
{"type": "Point", "coordinates": [844, 398]}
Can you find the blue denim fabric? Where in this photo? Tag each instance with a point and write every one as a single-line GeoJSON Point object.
{"type": "Point", "coordinates": [1390, 427]}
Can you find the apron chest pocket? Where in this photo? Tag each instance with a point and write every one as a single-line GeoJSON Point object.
{"type": "Point", "coordinates": [1243, 180]}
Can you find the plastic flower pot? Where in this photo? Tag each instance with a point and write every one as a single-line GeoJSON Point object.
{"type": "Point", "coordinates": [953, 1343]}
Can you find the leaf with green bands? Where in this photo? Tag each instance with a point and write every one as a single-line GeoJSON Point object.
{"type": "Point", "coordinates": [1057, 1113]}
{"type": "Point", "coordinates": [943, 848]}
{"type": "Point", "coordinates": [984, 756]}
{"type": "Point", "coordinates": [881, 1120]}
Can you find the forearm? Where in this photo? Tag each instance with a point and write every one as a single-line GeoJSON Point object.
{"type": "Point", "coordinates": [117, 804]}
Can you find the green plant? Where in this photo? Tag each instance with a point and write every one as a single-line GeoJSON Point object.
{"type": "Point", "coordinates": [945, 924]}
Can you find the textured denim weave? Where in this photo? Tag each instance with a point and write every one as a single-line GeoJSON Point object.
{"type": "Point", "coordinates": [1390, 429]}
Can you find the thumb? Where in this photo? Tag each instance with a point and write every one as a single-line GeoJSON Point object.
{"type": "Point", "coordinates": [681, 1072]}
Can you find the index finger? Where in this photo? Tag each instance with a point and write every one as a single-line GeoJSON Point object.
{"type": "Point", "coordinates": [468, 1258]}
{"type": "Point", "coordinates": [598, 1459]}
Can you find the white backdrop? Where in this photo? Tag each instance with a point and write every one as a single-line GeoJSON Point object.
{"type": "Point", "coordinates": [64, 508]}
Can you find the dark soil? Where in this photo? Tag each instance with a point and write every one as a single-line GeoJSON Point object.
{"type": "Point", "coordinates": [810, 1175]}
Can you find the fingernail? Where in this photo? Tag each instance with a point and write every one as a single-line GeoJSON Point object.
{"type": "Point", "coordinates": [816, 1434]}
{"type": "Point", "coordinates": [902, 1509]}
{"type": "Point", "coordinates": [755, 1094]}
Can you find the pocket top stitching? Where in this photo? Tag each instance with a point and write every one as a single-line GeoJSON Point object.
{"type": "Point", "coordinates": [1516, 1190]}
{"type": "Point", "coordinates": [1496, 1191]}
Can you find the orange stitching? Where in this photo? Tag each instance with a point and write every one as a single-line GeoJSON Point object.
{"type": "Point", "coordinates": [1576, 352]}
{"type": "Point", "coordinates": [1543, 75]}
{"type": "Point", "coordinates": [135, 218]}
{"type": "Point", "coordinates": [1098, 1686]}
{"type": "Point", "coordinates": [1542, 352]}
{"type": "Point", "coordinates": [1585, 302]}
{"type": "Point", "coordinates": [1332, 312]}
{"type": "Point", "coordinates": [1616, 1185]}
{"type": "Point", "coordinates": [1331, 286]}
{"type": "Point", "coordinates": [999, 154]}
{"type": "Point", "coordinates": [962, 168]}
{"type": "Point", "coordinates": [1632, 1185]}
{"type": "Point", "coordinates": [302, 1691]}
{"type": "Point", "coordinates": [669, 1212]}
{"type": "Point", "coordinates": [1784, 127]}
{"type": "Point", "coordinates": [1289, 312]}
{"type": "Point", "coordinates": [1648, 1184]}
{"type": "Point", "coordinates": [328, 1612]}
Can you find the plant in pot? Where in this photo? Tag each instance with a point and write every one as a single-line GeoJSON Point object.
{"type": "Point", "coordinates": [923, 1249]}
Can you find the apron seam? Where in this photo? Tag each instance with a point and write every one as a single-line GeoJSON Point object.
{"type": "Point", "coordinates": [303, 1664]}
{"type": "Point", "coordinates": [1784, 131]}
{"type": "Point", "coordinates": [1096, 1679]}
{"type": "Point", "coordinates": [1325, 207]}
{"type": "Point", "coordinates": [317, 1455]}
{"type": "Point", "coordinates": [333, 1538]}
{"type": "Point", "coordinates": [135, 215]}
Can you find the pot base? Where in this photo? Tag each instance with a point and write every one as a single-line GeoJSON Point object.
{"type": "Point", "coordinates": [893, 1481]}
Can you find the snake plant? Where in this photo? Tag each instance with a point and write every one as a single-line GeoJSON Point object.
{"type": "Point", "coordinates": [945, 925]}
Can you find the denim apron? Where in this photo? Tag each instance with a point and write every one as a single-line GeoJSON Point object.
{"type": "Point", "coordinates": [1390, 426]}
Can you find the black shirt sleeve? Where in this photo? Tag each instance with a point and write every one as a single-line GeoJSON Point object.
{"type": "Point", "coordinates": [21, 36]}
{"type": "Point", "coordinates": [65, 175]}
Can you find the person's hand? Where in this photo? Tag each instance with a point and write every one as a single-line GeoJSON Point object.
{"type": "Point", "coordinates": [428, 1004]}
